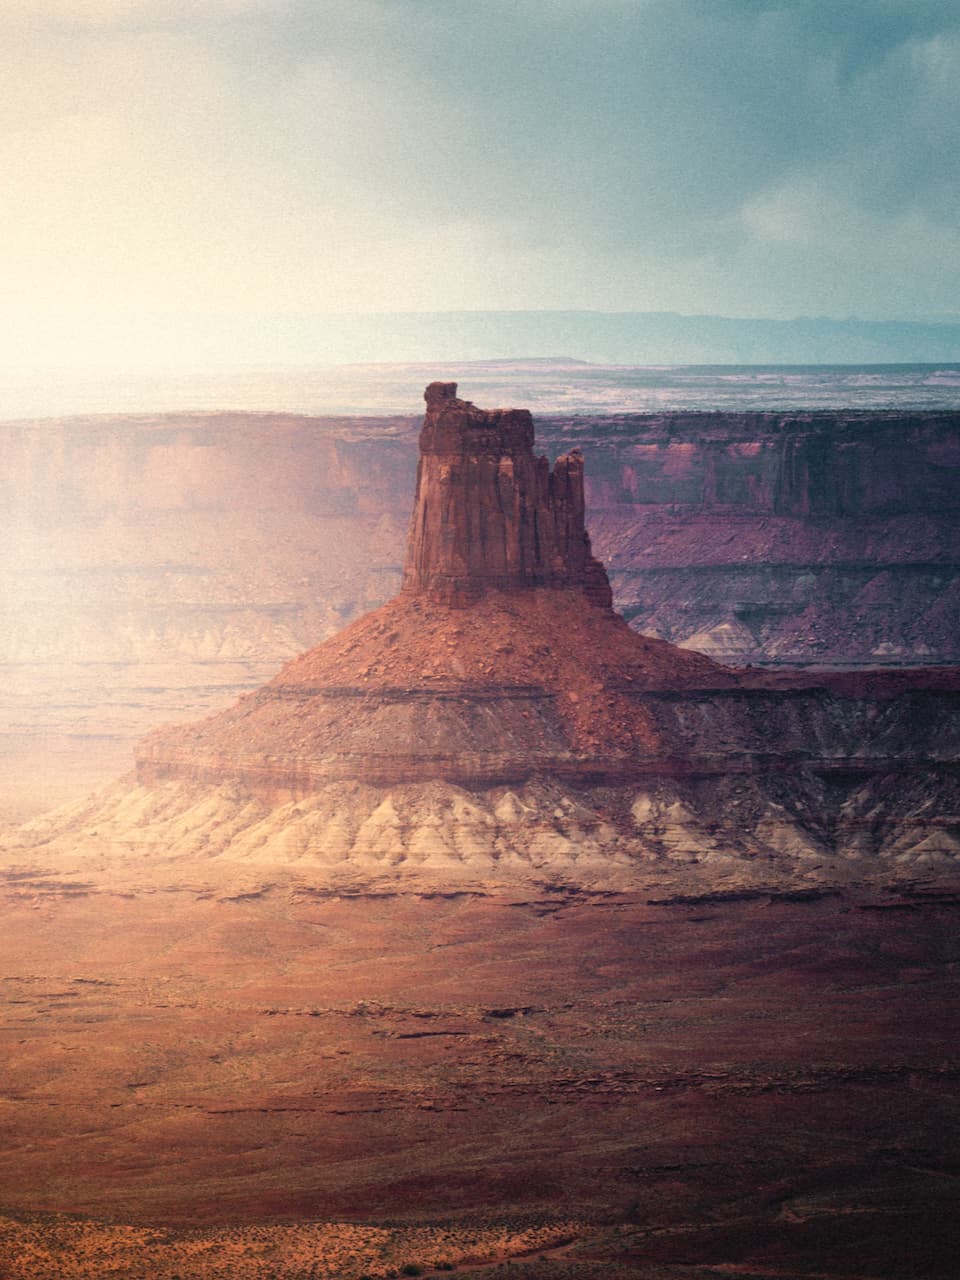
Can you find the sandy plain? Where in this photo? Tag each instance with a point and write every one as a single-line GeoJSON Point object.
{"type": "Point", "coordinates": [268, 1079]}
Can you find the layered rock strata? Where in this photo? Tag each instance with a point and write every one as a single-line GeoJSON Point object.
{"type": "Point", "coordinates": [543, 685]}
{"type": "Point", "coordinates": [501, 665]}
{"type": "Point", "coordinates": [141, 583]}
{"type": "Point", "coordinates": [827, 537]}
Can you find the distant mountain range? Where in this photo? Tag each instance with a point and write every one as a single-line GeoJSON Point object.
{"type": "Point", "coordinates": [182, 343]}
{"type": "Point", "coordinates": [615, 338]}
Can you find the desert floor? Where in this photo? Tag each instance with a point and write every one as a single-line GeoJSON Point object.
{"type": "Point", "coordinates": [271, 1080]}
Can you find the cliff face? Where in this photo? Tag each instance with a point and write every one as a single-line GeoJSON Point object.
{"type": "Point", "coordinates": [781, 538]}
{"type": "Point", "coordinates": [156, 566]}
{"type": "Point", "coordinates": [482, 677]}
{"type": "Point", "coordinates": [761, 537]}
{"type": "Point", "coordinates": [196, 537]}
{"type": "Point", "coordinates": [488, 514]}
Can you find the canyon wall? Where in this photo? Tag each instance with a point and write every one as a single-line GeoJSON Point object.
{"type": "Point", "coordinates": [771, 538]}
{"type": "Point", "coordinates": [155, 566]}
{"type": "Point", "coordinates": [196, 537]}
{"type": "Point", "coordinates": [825, 538]}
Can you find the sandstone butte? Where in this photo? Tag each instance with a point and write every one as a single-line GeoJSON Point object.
{"type": "Point", "coordinates": [498, 720]}
{"type": "Point", "coordinates": [502, 670]}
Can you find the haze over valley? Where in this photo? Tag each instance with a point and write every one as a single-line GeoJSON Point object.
{"type": "Point", "coordinates": [479, 615]}
{"type": "Point", "coordinates": [492, 763]}
{"type": "Point", "coordinates": [158, 564]}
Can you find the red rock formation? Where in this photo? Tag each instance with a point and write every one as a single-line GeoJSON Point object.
{"type": "Point", "coordinates": [500, 658]}
{"type": "Point", "coordinates": [494, 664]}
{"type": "Point", "coordinates": [489, 514]}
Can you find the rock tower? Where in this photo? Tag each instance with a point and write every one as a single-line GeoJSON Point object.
{"type": "Point", "coordinates": [501, 663]}
{"type": "Point", "coordinates": [489, 513]}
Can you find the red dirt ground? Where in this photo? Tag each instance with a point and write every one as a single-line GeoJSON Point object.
{"type": "Point", "coordinates": [754, 1082]}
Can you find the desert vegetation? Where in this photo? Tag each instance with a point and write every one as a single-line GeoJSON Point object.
{"type": "Point", "coordinates": [59, 1247]}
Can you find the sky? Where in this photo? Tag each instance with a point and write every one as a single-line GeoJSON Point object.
{"type": "Point", "coordinates": [189, 159]}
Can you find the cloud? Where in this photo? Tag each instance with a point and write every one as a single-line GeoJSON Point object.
{"type": "Point", "coordinates": [711, 155]}
{"type": "Point", "coordinates": [123, 13]}
{"type": "Point", "coordinates": [652, 121]}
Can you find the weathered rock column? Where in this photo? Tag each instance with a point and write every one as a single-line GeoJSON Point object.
{"type": "Point", "coordinates": [489, 514]}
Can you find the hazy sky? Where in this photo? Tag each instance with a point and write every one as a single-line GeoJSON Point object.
{"type": "Point", "coordinates": [739, 157]}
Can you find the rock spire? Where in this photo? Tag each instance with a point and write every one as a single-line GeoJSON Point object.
{"type": "Point", "coordinates": [488, 513]}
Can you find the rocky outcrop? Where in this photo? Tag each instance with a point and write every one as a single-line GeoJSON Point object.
{"type": "Point", "coordinates": [516, 684]}
{"type": "Point", "coordinates": [500, 658]}
{"type": "Point", "coordinates": [494, 667]}
{"type": "Point", "coordinates": [488, 514]}
{"type": "Point", "coordinates": [520, 685]}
